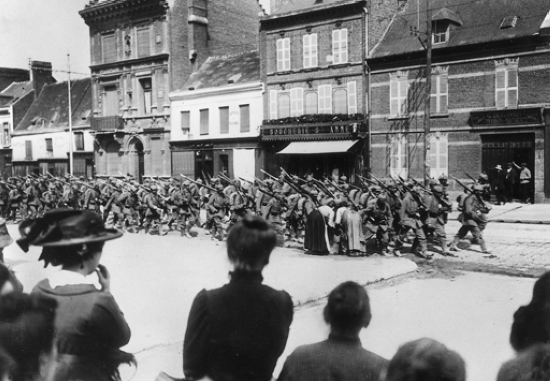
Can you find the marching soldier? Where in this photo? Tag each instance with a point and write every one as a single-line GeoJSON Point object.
{"type": "Point", "coordinates": [49, 198]}
{"type": "Point", "coordinates": [33, 200]}
{"type": "Point", "coordinates": [411, 207]}
{"type": "Point", "coordinates": [435, 216]}
{"type": "Point", "coordinates": [378, 218]}
{"type": "Point", "coordinates": [217, 210]}
{"type": "Point", "coordinates": [153, 211]}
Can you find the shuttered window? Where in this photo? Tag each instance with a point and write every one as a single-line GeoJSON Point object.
{"type": "Point", "coordinates": [340, 46]}
{"type": "Point", "coordinates": [283, 54]}
{"type": "Point", "coordinates": [439, 156]}
{"type": "Point", "coordinates": [185, 121]}
{"type": "Point", "coordinates": [340, 101]}
{"type": "Point", "coordinates": [143, 42]}
{"type": "Point", "coordinates": [108, 48]}
{"type": "Point", "coordinates": [399, 88]}
{"type": "Point", "coordinates": [204, 121]}
{"type": "Point", "coordinates": [311, 103]}
{"type": "Point", "coordinates": [224, 120]}
{"type": "Point", "coordinates": [183, 162]}
{"type": "Point", "coordinates": [398, 156]}
{"type": "Point", "coordinates": [245, 117]}
{"type": "Point", "coordinates": [28, 150]}
{"type": "Point", "coordinates": [6, 134]}
{"type": "Point", "coordinates": [352, 98]}
{"type": "Point", "coordinates": [310, 50]}
{"type": "Point", "coordinates": [273, 104]}
{"type": "Point", "coordinates": [506, 87]}
{"type": "Point", "coordinates": [79, 141]}
{"type": "Point", "coordinates": [439, 95]}
{"type": "Point", "coordinates": [325, 99]}
{"type": "Point", "coordinates": [296, 101]}
{"type": "Point", "coordinates": [49, 144]}
{"type": "Point", "coordinates": [283, 105]}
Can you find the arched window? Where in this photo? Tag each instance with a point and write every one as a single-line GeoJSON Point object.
{"type": "Point", "coordinates": [340, 104]}
{"type": "Point", "coordinates": [283, 105]}
{"type": "Point", "coordinates": [311, 103]}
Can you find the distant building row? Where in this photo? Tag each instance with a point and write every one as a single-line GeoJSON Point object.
{"type": "Point", "coordinates": [320, 86]}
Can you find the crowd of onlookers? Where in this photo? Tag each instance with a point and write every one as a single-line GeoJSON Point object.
{"type": "Point", "coordinates": [69, 329]}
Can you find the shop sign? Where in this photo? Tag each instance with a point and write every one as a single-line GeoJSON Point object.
{"type": "Point", "coordinates": [507, 117]}
{"type": "Point", "coordinates": [351, 128]}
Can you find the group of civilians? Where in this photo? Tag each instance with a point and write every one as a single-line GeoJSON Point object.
{"type": "Point", "coordinates": [505, 182]}
{"type": "Point", "coordinates": [68, 329]}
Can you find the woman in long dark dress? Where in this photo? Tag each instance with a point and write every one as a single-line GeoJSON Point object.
{"type": "Point", "coordinates": [238, 331]}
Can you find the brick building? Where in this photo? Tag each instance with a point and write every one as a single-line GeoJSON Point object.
{"type": "Point", "coordinates": [313, 56]}
{"type": "Point", "coordinates": [489, 97]}
{"type": "Point", "coordinates": [141, 50]}
{"type": "Point", "coordinates": [15, 101]}
{"type": "Point", "coordinates": [41, 141]}
{"type": "Point", "coordinates": [219, 112]}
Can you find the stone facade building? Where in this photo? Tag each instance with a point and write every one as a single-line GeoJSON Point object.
{"type": "Point", "coordinates": [141, 50]}
{"type": "Point", "coordinates": [313, 56]}
{"type": "Point", "coordinates": [490, 91]}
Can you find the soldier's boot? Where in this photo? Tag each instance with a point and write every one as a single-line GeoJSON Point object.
{"type": "Point", "coordinates": [444, 250]}
{"type": "Point", "coordinates": [414, 245]}
{"type": "Point", "coordinates": [483, 246]}
{"type": "Point", "coordinates": [163, 230]}
{"type": "Point", "coordinates": [454, 244]}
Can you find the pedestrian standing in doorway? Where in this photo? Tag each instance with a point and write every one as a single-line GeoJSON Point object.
{"type": "Point", "coordinates": [510, 181]}
{"type": "Point", "coordinates": [524, 182]}
{"type": "Point", "coordinates": [498, 186]}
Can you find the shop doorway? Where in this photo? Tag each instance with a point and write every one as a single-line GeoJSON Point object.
{"type": "Point", "coordinates": [500, 149]}
{"type": "Point", "coordinates": [136, 159]}
{"type": "Point", "coordinates": [204, 164]}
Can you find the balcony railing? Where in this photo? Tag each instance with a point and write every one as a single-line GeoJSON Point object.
{"type": "Point", "coordinates": [107, 123]}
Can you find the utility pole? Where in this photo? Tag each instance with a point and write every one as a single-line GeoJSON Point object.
{"type": "Point", "coordinates": [428, 96]}
{"type": "Point", "coordinates": [70, 116]}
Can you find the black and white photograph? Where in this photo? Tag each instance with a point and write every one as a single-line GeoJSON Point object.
{"type": "Point", "coordinates": [274, 190]}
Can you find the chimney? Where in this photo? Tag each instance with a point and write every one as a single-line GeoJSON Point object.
{"type": "Point", "coordinates": [41, 74]}
{"type": "Point", "coordinates": [198, 33]}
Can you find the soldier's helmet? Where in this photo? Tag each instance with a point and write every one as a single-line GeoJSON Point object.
{"type": "Point", "coordinates": [437, 189]}
{"type": "Point", "coordinates": [199, 180]}
{"type": "Point", "coordinates": [343, 179]}
{"type": "Point", "coordinates": [483, 176]}
{"type": "Point", "coordinates": [376, 190]}
{"type": "Point", "coordinates": [432, 183]}
{"type": "Point", "coordinates": [51, 187]}
{"type": "Point", "coordinates": [381, 198]}
{"type": "Point", "coordinates": [391, 186]}
{"type": "Point", "coordinates": [153, 188]}
{"type": "Point", "coordinates": [478, 188]}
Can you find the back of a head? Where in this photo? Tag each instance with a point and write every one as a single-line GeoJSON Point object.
{"type": "Point", "coordinates": [250, 243]}
{"type": "Point", "coordinates": [348, 307]}
{"type": "Point", "coordinates": [533, 364]}
{"type": "Point", "coordinates": [27, 331]}
{"type": "Point", "coordinates": [426, 360]}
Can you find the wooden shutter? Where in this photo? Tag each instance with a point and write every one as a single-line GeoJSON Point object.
{"type": "Point", "coordinates": [28, 150]}
{"type": "Point", "coordinates": [204, 121]}
{"type": "Point", "coordinates": [325, 99]}
{"type": "Point", "coordinates": [143, 42]}
{"type": "Point", "coordinates": [296, 101]}
{"type": "Point", "coordinates": [183, 162]}
{"type": "Point", "coordinates": [340, 101]}
{"type": "Point", "coordinates": [343, 45]}
{"type": "Point", "coordinates": [394, 96]}
{"type": "Point", "coordinates": [280, 54]}
{"type": "Point", "coordinates": [500, 89]}
{"type": "Point", "coordinates": [185, 121]}
{"type": "Point", "coordinates": [336, 46]}
{"type": "Point", "coordinates": [286, 48]}
{"type": "Point", "coordinates": [79, 141]}
{"type": "Point", "coordinates": [403, 93]}
{"type": "Point", "coordinates": [311, 103]}
{"type": "Point", "coordinates": [512, 88]}
{"type": "Point", "coordinates": [443, 94]}
{"type": "Point", "coordinates": [272, 104]}
{"type": "Point", "coordinates": [245, 117]}
{"type": "Point", "coordinates": [224, 120]}
{"type": "Point", "coordinates": [313, 41]}
{"type": "Point", "coordinates": [108, 48]}
{"type": "Point", "coordinates": [352, 97]}
{"type": "Point", "coordinates": [434, 95]}
{"type": "Point", "coordinates": [283, 103]}
{"type": "Point", "coordinates": [306, 43]}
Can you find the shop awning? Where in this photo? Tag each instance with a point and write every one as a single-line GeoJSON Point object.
{"type": "Point", "coordinates": [310, 148]}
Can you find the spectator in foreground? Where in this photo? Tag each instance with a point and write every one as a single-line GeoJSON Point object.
{"type": "Point", "coordinates": [89, 324]}
{"type": "Point", "coordinates": [426, 360]}
{"type": "Point", "coordinates": [341, 356]}
{"type": "Point", "coordinates": [530, 337]}
{"type": "Point", "coordinates": [238, 331]}
{"type": "Point", "coordinates": [27, 337]}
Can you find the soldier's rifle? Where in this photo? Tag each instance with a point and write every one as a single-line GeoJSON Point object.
{"type": "Point", "coordinates": [7, 185]}
{"type": "Point", "coordinates": [468, 190]}
{"type": "Point", "coordinates": [196, 182]}
{"type": "Point", "coordinates": [262, 183]}
{"type": "Point", "coordinates": [274, 195]}
{"type": "Point", "coordinates": [269, 175]}
{"type": "Point", "coordinates": [323, 187]}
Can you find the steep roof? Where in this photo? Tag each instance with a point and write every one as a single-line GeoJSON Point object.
{"type": "Point", "coordinates": [14, 92]}
{"type": "Point", "coordinates": [225, 70]}
{"type": "Point", "coordinates": [50, 111]}
{"type": "Point", "coordinates": [298, 6]}
{"type": "Point", "coordinates": [481, 23]}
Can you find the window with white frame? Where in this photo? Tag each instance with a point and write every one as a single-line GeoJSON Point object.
{"type": "Point", "coordinates": [339, 46]}
{"type": "Point", "coordinates": [439, 94]}
{"type": "Point", "coordinates": [283, 54]}
{"type": "Point", "coordinates": [273, 104]}
{"type": "Point", "coordinates": [352, 97]}
{"type": "Point", "coordinates": [311, 106]}
{"type": "Point", "coordinates": [506, 84]}
{"type": "Point", "coordinates": [204, 121]}
{"type": "Point", "coordinates": [296, 101]}
{"type": "Point", "coordinates": [440, 31]}
{"type": "Point", "coordinates": [398, 156]}
{"type": "Point", "coordinates": [340, 101]}
{"type": "Point", "coordinates": [439, 155]}
{"type": "Point", "coordinates": [6, 134]}
{"type": "Point", "coordinates": [325, 99]}
{"type": "Point", "coordinates": [399, 89]}
{"type": "Point", "coordinates": [185, 121]}
{"type": "Point", "coordinates": [283, 105]}
{"type": "Point", "coordinates": [310, 50]}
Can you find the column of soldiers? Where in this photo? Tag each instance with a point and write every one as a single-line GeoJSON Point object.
{"type": "Point", "coordinates": [326, 216]}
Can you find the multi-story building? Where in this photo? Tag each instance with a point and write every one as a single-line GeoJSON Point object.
{"type": "Point", "coordinates": [219, 116]}
{"type": "Point", "coordinates": [15, 101]}
{"type": "Point", "coordinates": [489, 96]}
{"type": "Point", "coordinates": [141, 49]}
{"type": "Point", "coordinates": [41, 142]}
{"type": "Point", "coordinates": [313, 65]}
{"type": "Point", "coordinates": [9, 75]}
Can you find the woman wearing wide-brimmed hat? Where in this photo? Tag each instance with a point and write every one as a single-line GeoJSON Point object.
{"type": "Point", "coordinates": [89, 324]}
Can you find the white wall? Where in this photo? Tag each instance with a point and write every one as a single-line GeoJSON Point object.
{"type": "Point", "coordinates": [196, 101]}
{"type": "Point", "coordinates": [60, 143]}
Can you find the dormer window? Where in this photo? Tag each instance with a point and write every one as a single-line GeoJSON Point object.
{"type": "Point", "coordinates": [440, 32]}
{"type": "Point", "coordinates": [509, 22]}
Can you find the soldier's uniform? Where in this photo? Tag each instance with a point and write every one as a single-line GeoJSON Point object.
{"type": "Point", "coordinates": [435, 217]}
{"type": "Point", "coordinates": [33, 201]}
{"type": "Point", "coordinates": [152, 212]}
{"type": "Point", "coordinates": [378, 218]}
{"type": "Point", "coordinates": [410, 219]}
{"type": "Point", "coordinates": [217, 210]}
